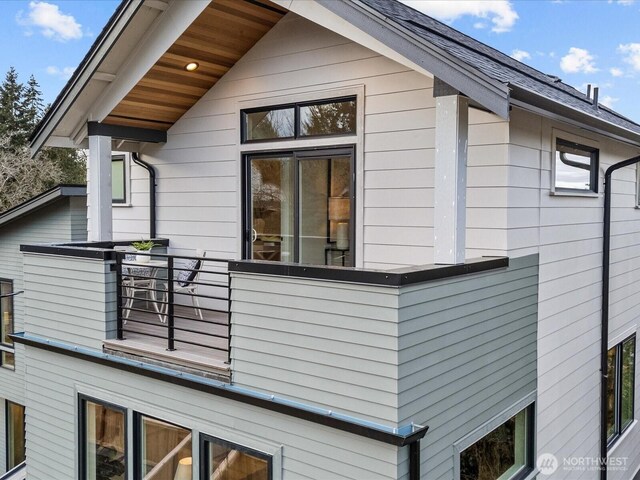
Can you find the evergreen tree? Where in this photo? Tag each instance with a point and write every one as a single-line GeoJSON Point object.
{"type": "Point", "coordinates": [22, 177]}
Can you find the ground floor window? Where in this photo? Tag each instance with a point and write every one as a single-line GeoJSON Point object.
{"type": "Point", "coordinates": [102, 441]}
{"type": "Point", "coordinates": [504, 453]}
{"type": "Point", "coordinates": [7, 358]}
{"type": "Point", "coordinates": [621, 361]}
{"type": "Point", "coordinates": [15, 434]}
{"type": "Point", "coordinates": [163, 450]}
{"type": "Point", "coordinates": [300, 207]}
{"type": "Point", "coordinates": [228, 461]}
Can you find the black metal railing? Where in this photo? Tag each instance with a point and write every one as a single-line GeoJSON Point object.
{"type": "Point", "coordinates": [175, 302]}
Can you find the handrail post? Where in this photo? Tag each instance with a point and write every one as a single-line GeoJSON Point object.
{"type": "Point", "coordinates": [170, 319]}
{"type": "Point", "coordinates": [119, 287]}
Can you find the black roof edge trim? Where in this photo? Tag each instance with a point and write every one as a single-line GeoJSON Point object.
{"type": "Point", "coordinates": [148, 135]}
{"type": "Point", "coordinates": [96, 250]}
{"type": "Point", "coordinates": [372, 433]}
{"type": "Point", "coordinates": [392, 278]}
{"type": "Point", "coordinates": [42, 200]}
{"type": "Point", "coordinates": [523, 98]}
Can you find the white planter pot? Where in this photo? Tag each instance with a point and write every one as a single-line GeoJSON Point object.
{"type": "Point", "coordinates": [143, 258]}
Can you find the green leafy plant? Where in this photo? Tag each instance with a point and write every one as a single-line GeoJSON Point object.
{"type": "Point", "coordinates": [143, 245]}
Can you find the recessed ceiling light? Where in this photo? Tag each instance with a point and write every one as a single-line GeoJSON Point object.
{"type": "Point", "coordinates": [190, 67]}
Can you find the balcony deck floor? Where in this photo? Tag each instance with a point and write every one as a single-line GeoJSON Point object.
{"type": "Point", "coordinates": [149, 339]}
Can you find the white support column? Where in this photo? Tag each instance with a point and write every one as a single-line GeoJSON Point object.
{"type": "Point", "coordinates": [99, 189]}
{"type": "Point", "coordinates": [450, 196]}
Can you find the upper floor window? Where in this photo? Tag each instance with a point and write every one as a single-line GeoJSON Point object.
{"type": "Point", "coordinates": [227, 460]}
{"type": "Point", "coordinates": [118, 179]}
{"type": "Point", "coordinates": [621, 361]}
{"type": "Point", "coordinates": [15, 430]}
{"type": "Point", "coordinates": [300, 120]}
{"type": "Point", "coordinates": [7, 358]}
{"type": "Point", "coordinates": [575, 167]}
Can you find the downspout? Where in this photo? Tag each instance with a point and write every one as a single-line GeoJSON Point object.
{"type": "Point", "coordinates": [152, 192]}
{"type": "Point", "coordinates": [604, 335]}
{"type": "Point", "coordinates": [414, 460]}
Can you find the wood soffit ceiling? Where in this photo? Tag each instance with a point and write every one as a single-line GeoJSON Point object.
{"type": "Point", "coordinates": [216, 40]}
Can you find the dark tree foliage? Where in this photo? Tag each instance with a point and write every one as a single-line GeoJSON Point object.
{"type": "Point", "coordinates": [21, 177]}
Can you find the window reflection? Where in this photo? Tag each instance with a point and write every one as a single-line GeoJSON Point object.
{"type": "Point", "coordinates": [223, 462]}
{"type": "Point", "coordinates": [269, 124]}
{"type": "Point", "coordinates": [335, 118]}
{"type": "Point", "coordinates": [104, 447]}
{"type": "Point", "coordinates": [165, 450]}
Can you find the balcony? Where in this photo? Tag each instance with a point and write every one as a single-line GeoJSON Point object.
{"type": "Point", "coordinates": [173, 308]}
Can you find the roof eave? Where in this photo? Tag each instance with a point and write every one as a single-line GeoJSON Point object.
{"type": "Point", "coordinates": [83, 74]}
{"type": "Point", "coordinates": [488, 92]}
{"type": "Point", "coordinates": [42, 200]}
{"type": "Point", "coordinates": [546, 107]}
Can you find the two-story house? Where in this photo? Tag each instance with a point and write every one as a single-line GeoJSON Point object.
{"type": "Point", "coordinates": [386, 251]}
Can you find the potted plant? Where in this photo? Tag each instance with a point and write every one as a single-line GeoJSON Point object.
{"type": "Point", "coordinates": [143, 246]}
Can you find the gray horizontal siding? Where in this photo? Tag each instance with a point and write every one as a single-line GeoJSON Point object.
{"type": "Point", "coordinates": [467, 352]}
{"type": "Point", "coordinates": [70, 299]}
{"type": "Point", "coordinates": [308, 450]}
{"type": "Point", "coordinates": [331, 344]}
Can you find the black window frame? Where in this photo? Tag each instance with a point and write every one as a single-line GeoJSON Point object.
{"type": "Point", "coordinates": [296, 119]}
{"type": "Point", "coordinates": [8, 348]}
{"type": "Point", "coordinates": [125, 192]}
{"type": "Point", "coordinates": [530, 439]}
{"type": "Point", "coordinates": [82, 429]}
{"type": "Point", "coordinates": [137, 439]}
{"type": "Point", "coordinates": [594, 173]}
{"type": "Point", "coordinates": [7, 403]}
{"type": "Point", "coordinates": [204, 458]}
{"type": "Point", "coordinates": [620, 429]}
{"type": "Point", "coordinates": [298, 155]}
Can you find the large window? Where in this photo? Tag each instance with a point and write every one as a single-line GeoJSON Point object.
{"type": "Point", "coordinates": [7, 359]}
{"type": "Point", "coordinates": [504, 453]}
{"type": "Point", "coordinates": [163, 450]}
{"type": "Point", "coordinates": [118, 179]}
{"type": "Point", "coordinates": [575, 167]}
{"type": "Point", "coordinates": [102, 441]}
{"type": "Point", "coordinates": [300, 207]}
{"type": "Point", "coordinates": [222, 460]}
{"type": "Point", "coordinates": [15, 434]}
{"type": "Point", "coordinates": [620, 387]}
{"type": "Point", "coordinates": [300, 120]}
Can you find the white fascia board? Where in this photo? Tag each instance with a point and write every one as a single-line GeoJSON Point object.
{"type": "Point", "coordinates": [167, 29]}
{"type": "Point", "coordinates": [88, 69]}
{"type": "Point", "coordinates": [367, 27]}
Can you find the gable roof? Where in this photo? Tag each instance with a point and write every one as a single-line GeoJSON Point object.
{"type": "Point", "coordinates": [42, 200]}
{"type": "Point", "coordinates": [487, 76]}
{"type": "Point", "coordinates": [523, 80]}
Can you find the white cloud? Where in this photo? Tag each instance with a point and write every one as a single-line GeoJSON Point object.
{"type": "Point", "coordinates": [631, 54]}
{"type": "Point", "coordinates": [51, 22]}
{"type": "Point", "coordinates": [578, 60]}
{"type": "Point", "coordinates": [625, 3]}
{"type": "Point", "coordinates": [608, 101]}
{"type": "Point", "coordinates": [616, 72]}
{"type": "Point", "coordinates": [64, 73]}
{"type": "Point", "coordinates": [500, 12]}
{"type": "Point", "coordinates": [520, 55]}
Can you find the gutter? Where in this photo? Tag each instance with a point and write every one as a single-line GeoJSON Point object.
{"type": "Point", "coordinates": [406, 435]}
{"type": "Point", "coordinates": [152, 192]}
{"type": "Point", "coordinates": [604, 324]}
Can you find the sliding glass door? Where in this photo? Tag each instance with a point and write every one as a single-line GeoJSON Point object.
{"type": "Point", "coordinates": [300, 207]}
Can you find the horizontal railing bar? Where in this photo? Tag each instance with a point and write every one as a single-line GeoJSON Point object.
{"type": "Point", "coordinates": [195, 319]}
{"type": "Point", "coordinates": [162, 337]}
{"type": "Point", "coordinates": [201, 345]}
{"type": "Point", "coordinates": [182, 257]}
{"type": "Point", "coordinates": [213, 335]}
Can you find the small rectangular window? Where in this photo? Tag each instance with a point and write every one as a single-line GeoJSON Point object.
{"type": "Point", "coordinates": [118, 179]}
{"type": "Point", "coordinates": [330, 118]}
{"type": "Point", "coordinates": [15, 434]}
{"type": "Point", "coordinates": [7, 359]}
{"type": "Point", "coordinates": [224, 460]}
{"type": "Point", "coordinates": [277, 123]}
{"type": "Point", "coordinates": [621, 361]}
{"type": "Point", "coordinates": [503, 453]}
{"type": "Point", "coordinates": [575, 167]}
{"type": "Point", "coordinates": [300, 120]}
{"type": "Point", "coordinates": [163, 449]}
{"type": "Point", "coordinates": [103, 436]}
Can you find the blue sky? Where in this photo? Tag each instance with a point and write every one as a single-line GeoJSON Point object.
{"type": "Point", "coordinates": [582, 42]}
